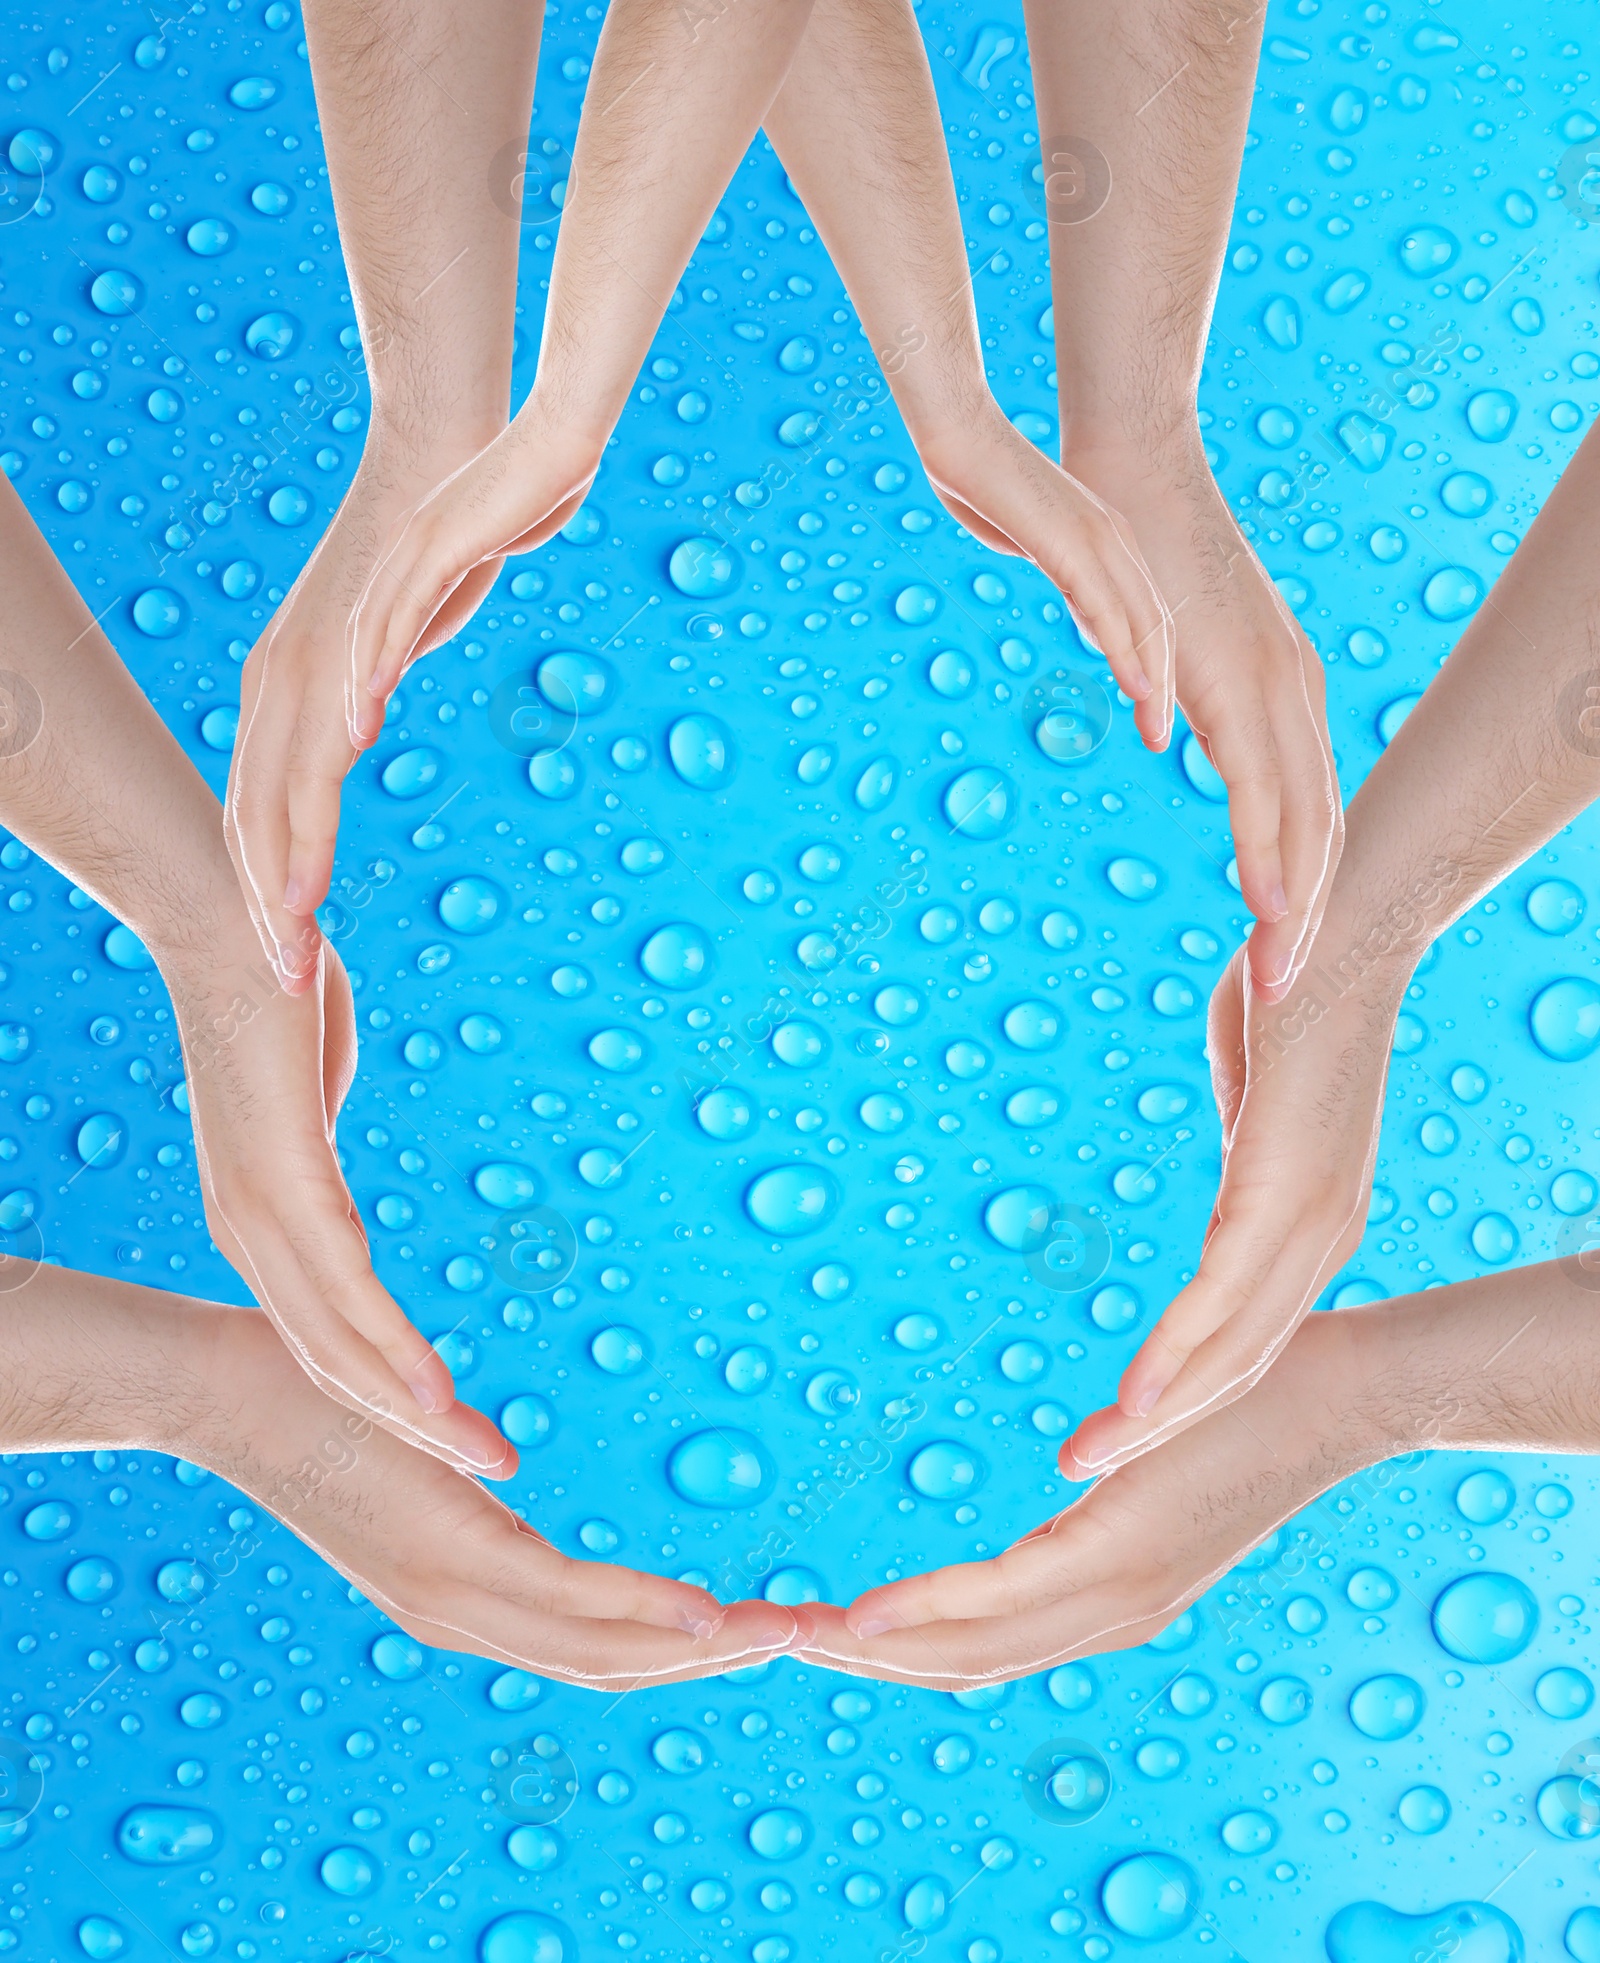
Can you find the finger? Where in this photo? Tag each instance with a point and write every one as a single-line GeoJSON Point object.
{"type": "Point", "coordinates": [611, 1657]}
{"type": "Point", "coordinates": [1311, 831]}
{"type": "Point", "coordinates": [256, 820]}
{"type": "Point", "coordinates": [1156, 638]}
{"type": "Point", "coordinates": [1013, 1582]}
{"type": "Point", "coordinates": [962, 1654]}
{"type": "Point", "coordinates": [1225, 1044]}
{"type": "Point", "coordinates": [319, 760]}
{"type": "Point", "coordinates": [1245, 753]}
{"type": "Point", "coordinates": [318, 1291]}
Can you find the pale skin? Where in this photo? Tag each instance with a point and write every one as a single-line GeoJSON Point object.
{"type": "Point", "coordinates": [1162, 91]}
{"type": "Point", "coordinates": [1504, 1364]}
{"type": "Point", "coordinates": [671, 107]}
{"type": "Point", "coordinates": [105, 793]}
{"type": "Point", "coordinates": [1491, 763]}
{"type": "Point", "coordinates": [1502, 751]}
{"type": "Point", "coordinates": [424, 113]}
{"type": "Point", "coordinates": [90, 1363]}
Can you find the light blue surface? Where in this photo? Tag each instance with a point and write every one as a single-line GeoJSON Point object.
{"type": "Point", "coordinates": [798, 840]}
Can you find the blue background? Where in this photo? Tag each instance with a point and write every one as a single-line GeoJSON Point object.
{"type": "Point", "coordinates": [1410, 232]}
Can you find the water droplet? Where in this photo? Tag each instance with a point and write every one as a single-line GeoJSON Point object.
{"type": "Point", "coordinates": [576, 683]}
{"type": "Point", "coordinates": [1555, 906]}
{"type": "Point", "coordinates": [1033, 1026]}
{"type": "Point", "coordinates": [506, 1184]}
{"type": "Point", "coordinates": [471, 906]}
{"type": "Point", "coordinates": [981, 803]}
{"type": "Point", "coordinates": [676, 956]}
{"type": "Point", "coordinates": [1428, 250]}
{"type": "Point", "coordinates": [1386, 1707]}
{"type": "Point", "coordinates": [116, 293]}
{"type": "Point", "coordinates": [702, 752]}
{"type": "Point", "coordinates": [1150, 1896]}
{"type": "Point", "coordinates": [1490, 414]}
{"type": "Point", "coordinates": [703, 568]}
{"type": "Point", "coordinates": [1564, 1692]}
{"type": "Point", "coordinates": [1134, 879]}
{"type": "Point", "coordinates": [951, 675]}
{"type": "Point", "coordinates": [1250, 1832]}
{"type": "Point", "coordinates": [159, 612]}
{"type": "Point", "coordinates": [779, 1834]}
{"type": "Point", "coordinates": [792, 1199]}
{"type": "Point", "coordinates": [1565, 1019]}
{"type": "Point", "coordinates": [272, 337]}
{"type": "Point", "coordinates": [1452, 593]}
{"type": "Point", "coordinates": [1485, 1618]}
{"type": "Point", "coordinates": [620, 1051]}
{"type": "Point", "coordinates": [396, 1657]}
{"type": "Point", "coordinates": [99, 1937]}
{"type": "Point", "coordinates": [167, 1836]}
{"type": "Point", "coordinates": [946, 1470]}
{"type": "Point", "coordinates": [875, 786]}
{"type": "Point", "coordinates": [1371, 1932]}
{"type": "Point", "coordinates": [1485, 1497]}
{"type": "Point", "coordinates": [526, 1936]}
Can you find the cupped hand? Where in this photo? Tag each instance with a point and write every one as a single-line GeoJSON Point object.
{"type": "Point", "coordinates": [993, 480]}
{"type": "Point", "coordinates": [450, 1564]}
{"type": "Point", "coordinates": [1251, 688]}
{"type": "Point", "coordinates": [511, 497]}
{"type": "Point", "coordinates": [1136, 1549]}
{"type": "Point", "coordinates": [297, 724]}
{"type": "Point", "coordinates": [1300, 1086]}
{"type": "Point", "coordinates": [266, 1073]}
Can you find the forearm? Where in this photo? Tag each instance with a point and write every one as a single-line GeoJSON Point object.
{"type": "Point", "coordinates": [1502, 751]}
{"type": "Point", "coordinates": [674, 98]}
{"type": "Point", "coordinates": [87, 1363]}
{"type": "Point", "coordinates": [856, 126]}
{"type": "Point", "coordinates": [1506, 1363]}
{"type": "Point", "coordinates": [1157, 93]}
{"type": "Point", "coordinates": [424, 110]}
{"type": "Point", "coordinates": [90, 776]}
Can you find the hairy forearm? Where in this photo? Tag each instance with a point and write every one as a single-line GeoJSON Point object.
{"type": "Point", "coordinates": [1143, 110]}
{"type": "Point", "coordinates": [1502, 750]}
{"type": "Point", "coordinates": [89, 1363]}
{"type": "Point", "coordinates": [91, 778]}
{"type": "Point", "coordinates": [424, 109]}
{"type": "Point", "coordinates": [1508, 1362]}
{"type": "Point", "coordinates": [856, 126]}
{"type": "Point", "coordinates": [675, 95]}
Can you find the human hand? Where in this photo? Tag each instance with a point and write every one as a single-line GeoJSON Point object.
{"type": "Point", "coordinates": [1142, 1543]}
{"type": "Point", "coordinates": [267, 1072]}
{"type": "Point", "coordinates": [1299, 1085]}
{"type": "Point", "coordinates": [297, 724]}
{"type": "Point", "coordinates": [995, 483]}
{"type": "Point", "coordinates": [1251, 687]}
{"type": "Point", "coordinates": [455, 1568]}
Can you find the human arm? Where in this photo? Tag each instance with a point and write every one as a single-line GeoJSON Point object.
{"type": "Point", "coordinates": [1501, 752]}
{"type": "Point", "coordinates": [93, 781]}
{"type": "Point", "coordinates": [1508, 1363]}
{"type": "Point", "coordinates": [1145, 106]}
{"type": "Point", "coordinates": [90, 1363]}
{"type": "Point", "coordinates": [424, 113]}
{"type": "Point", "coordinates": [856, 126]}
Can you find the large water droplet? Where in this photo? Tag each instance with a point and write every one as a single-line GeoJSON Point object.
{"type": "Point", "coordinates": [471, 905]}
{"type": "Point", "coordinates": [1485, 1618]}
{"type": "Point", "coordinates": [702, 752]}
{"type": "Point", "coordinates": [1019, 1218]}
{"type": "Point", "coordinates": [721, 1468]}
{"type": "Point", "coordinates": [576, 683]}
{"type": "Point", "coordinates": [677, 955]}
{"type": "Point", "coordinates": [1472, 1932]}
{"type": "Point", "coordinates": [526, 1936]}
{"type": "Point", "coordinates": [792, 1199]}
{"type": "Point", "coordinates": [1386, 1707]}
{"type": "Point", "coordinates": [1150, 1896]}
{"type": "Point", "coordinates": [703, 568]}
{"type": "Point", "coordinates": [167, 1836]}
{"type": "Point", "coordinates": [946, 1470]}
{"type": "Point", "coordinates": [1565, 1018]}
{"type": "Point", "coordinates": [981, 803]}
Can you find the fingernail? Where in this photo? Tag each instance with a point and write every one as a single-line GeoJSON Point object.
{"type": "Point", "coordinates": [429, 1399]}
{"type": "Point", "coordinates": [1145, 1403]}
{"type": "Point", "coordinates": [1089, 1456]}
{"type": "Point", "coordinates": [876, 1622]}
{"type": "Point", "coordinates": [1279, 903]}
{"type": "Point", "coordinates": [696, 1622]}
{"type": "Point", "coordinates": [804, 1629]}
{"type": "Point", "coordinates": [292, 891]}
